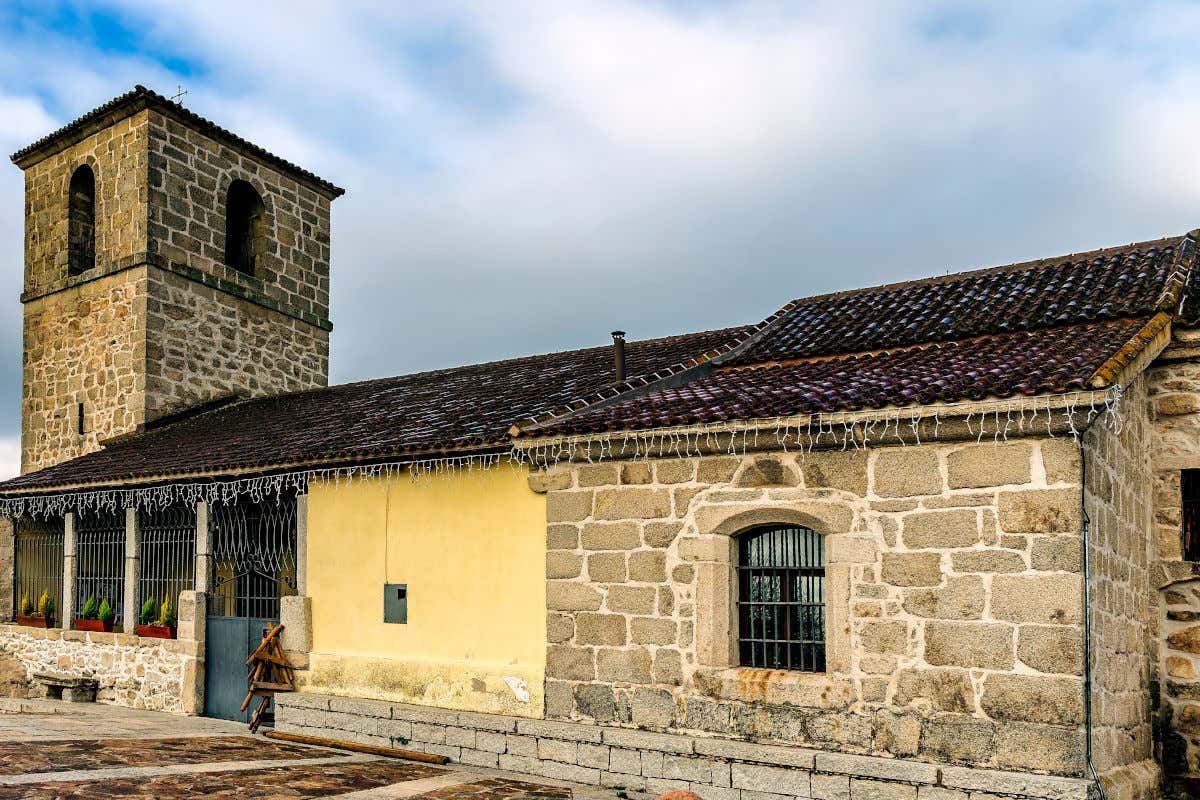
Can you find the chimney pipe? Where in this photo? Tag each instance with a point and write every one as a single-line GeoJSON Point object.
{"type": "Point", "coordinates": [619, 354]}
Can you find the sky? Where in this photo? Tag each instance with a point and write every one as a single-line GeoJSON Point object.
{"type": "Point", "coordinates": [525, 176]}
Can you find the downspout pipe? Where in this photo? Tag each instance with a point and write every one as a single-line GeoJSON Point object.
{"type": "Point", "coordinates": [1087, 615]}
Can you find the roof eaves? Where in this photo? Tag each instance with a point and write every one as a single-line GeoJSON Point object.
{"type": "Point", "coordinates": [1136, 354]}
{"type": "Point", "coordinates": [255, 469]}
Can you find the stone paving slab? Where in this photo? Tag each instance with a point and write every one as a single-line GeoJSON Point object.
{"type": "Point", "coordinates": [28, 720]}
{"type": "Point", "coordinates": [50, 749]}
{"type": "Point", "coordinates": [285, 783]}
{"type": "Point", "coordinates": [121, 773]}
{"type": "Point", "coordinates": [79, 754]}
{"type": "Point", "coordinates": [500, 789]}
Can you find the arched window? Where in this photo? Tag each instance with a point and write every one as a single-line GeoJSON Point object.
{"type": "Point", "coordinates": [81, 221]}
{"type": "Point", "coordinates": [244, 223]}
{"type": "Point", "coordinates": [781, 598]}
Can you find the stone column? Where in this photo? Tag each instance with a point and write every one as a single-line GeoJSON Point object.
{"type": "Point", "coordinates": [295, 614]}
{"type": "Point", "coordinates": [203, 549]}
{"type": "Point", "coordinates": [8, 555]}
{"type": "Point", "coordinates": [302, 544]}
{"type": "Point", "coordinates": [133, 573]}
{"type": "Point", "coordinates": [66, 611]}
{"type": "Point", "coordinates": [193, 626]}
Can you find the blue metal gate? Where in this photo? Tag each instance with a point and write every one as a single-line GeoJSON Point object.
{"type": "Point", "coordinates": [228, 643]}
{"type": "Point", "coordinates": [253, 564]}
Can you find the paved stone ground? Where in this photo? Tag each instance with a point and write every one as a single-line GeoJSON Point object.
{"type": "Point", "coordinates": [24, 720]}
{"type": "Point", "coordinates": [51, 751]}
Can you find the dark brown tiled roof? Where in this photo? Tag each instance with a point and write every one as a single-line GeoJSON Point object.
{"type": "Point", "coordinates": [139, 98]}
{"type": "Point", "coordinates": [1049, 361]}
{"type": "Point", "coordinates": [1114, 283]}
{"type": "Point", "coordinates": [1036, 327]}
{"type": "Point", "coordinates": [452, 410]}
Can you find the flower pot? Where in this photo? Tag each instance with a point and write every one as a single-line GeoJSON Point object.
{"type": "Point", "coordinates": [93, 625]}
{"type": "Point", "coordinates": [35, 621]}
{"type": "Point", "coordinates": [156, 631]}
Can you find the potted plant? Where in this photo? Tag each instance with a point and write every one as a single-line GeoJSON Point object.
{"type": "Point", "coordinates": [106, 615]}
{"type": "Point", "coordinates": [89, 618]}
{"type": "Point", "coordinates": [157, 622]}
{"type": "Point", "coordinates": [41, 616]}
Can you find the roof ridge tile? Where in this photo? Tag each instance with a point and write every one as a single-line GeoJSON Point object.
{"type": "Point", "coordinates": [140, 97]}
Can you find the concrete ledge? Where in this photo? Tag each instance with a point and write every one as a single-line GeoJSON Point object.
{"type": "Point", "coordinates": [640, 762]}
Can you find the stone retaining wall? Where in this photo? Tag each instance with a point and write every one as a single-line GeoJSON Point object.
{"type": "Point", "coordinates": [644, 762]}
{"type": "Point", "coordinates": [132, 671]}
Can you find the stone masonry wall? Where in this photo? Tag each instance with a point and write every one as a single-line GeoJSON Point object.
{"type": "Point", "coordinates": [156, 674]}
{"type": "Point", "coordinates": [641, 764]}
{"type": "Point", "coordinates": [118, 157]}
{"type": "Point", "coordinates": [204, 344]}
{"type": "Point", "coordinates": [953, 587]}
{"type": "Point", "coordinates": [189, 177]}
{"type": "Point", "coordinates": [85, 344]}
{"type": "Point", "coordinates": [1173, 384]}
{"type": "Point", "coordinates": [160, 324]}
{"type": "Point", "coordinates": [1118, 498]}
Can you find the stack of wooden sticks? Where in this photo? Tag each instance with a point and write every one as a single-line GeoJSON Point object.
{"type": "Point", "coordinates": [268, 672]}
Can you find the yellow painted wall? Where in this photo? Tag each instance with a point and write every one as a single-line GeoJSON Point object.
{"type": "Point", "coordinates": [471, 545]}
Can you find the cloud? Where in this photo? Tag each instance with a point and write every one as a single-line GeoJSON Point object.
{"type": "Point", "coordinates": [10, 458]}
{"type": "Point", "coordinates": [529, 180]}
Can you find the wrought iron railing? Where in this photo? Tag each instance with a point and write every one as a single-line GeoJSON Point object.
{"type": "Point", "coordinates": [168, 559]}
{"type": "Point", "coordinates": [100, 560]}
{"type": "Point", "coordinates": [781, 599]}
{"type": "Point", "coordinates": [38, 563]}
{"type": "Point", "coordinates": [253, 557]}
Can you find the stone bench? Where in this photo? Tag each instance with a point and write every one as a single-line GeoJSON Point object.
{"type": "Point", "coordinates": [70, 688]}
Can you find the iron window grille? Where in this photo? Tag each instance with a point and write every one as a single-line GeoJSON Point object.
{"type": "Point", "coordinates": [781, 599]}
{"type": "Point", "coordinates": [38, 562]}
{"type": "Point", "coordinates": [1189, 485]}
{"type": "Point", "coordinates": [168, 562]}
{"type": "Point", "coordinates": [253, 561]}
{"type": "Point", "coordinates": [100, 559]}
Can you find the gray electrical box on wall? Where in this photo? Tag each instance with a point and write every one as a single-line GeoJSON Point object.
{"type": "Point", "coordinates": [395, 603]}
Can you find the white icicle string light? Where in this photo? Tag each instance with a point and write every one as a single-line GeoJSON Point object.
{"type": "Point", "coordinates": [803, 434]}
{"type": "Point", "coordinates": [257, 489]}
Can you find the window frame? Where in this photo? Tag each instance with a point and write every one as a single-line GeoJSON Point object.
{"type": "Point", "coordinates": [81, 260]}
{"type": "Point", "coordinates": [1189, 514]}
{"type": "Point", "coordinates": [245, 228]}
{"type": "Point", "coordinates": [713, 554]}
{"type": "Point", "coordinates": [796, 567]}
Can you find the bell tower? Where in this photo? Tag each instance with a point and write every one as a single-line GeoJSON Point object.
{"type": "Point", "coordinates": [169, 264]}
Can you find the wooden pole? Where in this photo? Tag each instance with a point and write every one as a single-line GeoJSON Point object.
{"type": "Point", "coordinates": [375, 750]}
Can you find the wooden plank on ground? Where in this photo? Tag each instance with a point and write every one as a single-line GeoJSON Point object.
{"type": "Point", "coordinates": [375, 750]}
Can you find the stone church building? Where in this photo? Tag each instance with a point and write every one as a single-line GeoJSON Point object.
{"type": "Point", "coordinates": [936, 540]}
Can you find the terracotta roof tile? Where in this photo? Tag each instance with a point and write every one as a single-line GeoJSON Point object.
{"type": "Point", "coordinates": [1034, 328]}
{"type": "Point", "coordinates": [1049, 361]}
{"type": "Point", "coordinates": [1088, 287]}
{"type": "Point", "coordinates": [1021, 316]}
{"type": "Point", "coordinates": [446, 410]}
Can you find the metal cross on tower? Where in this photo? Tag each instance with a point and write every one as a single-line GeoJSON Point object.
{"type": "Point", "coordinates": [179, 92]}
